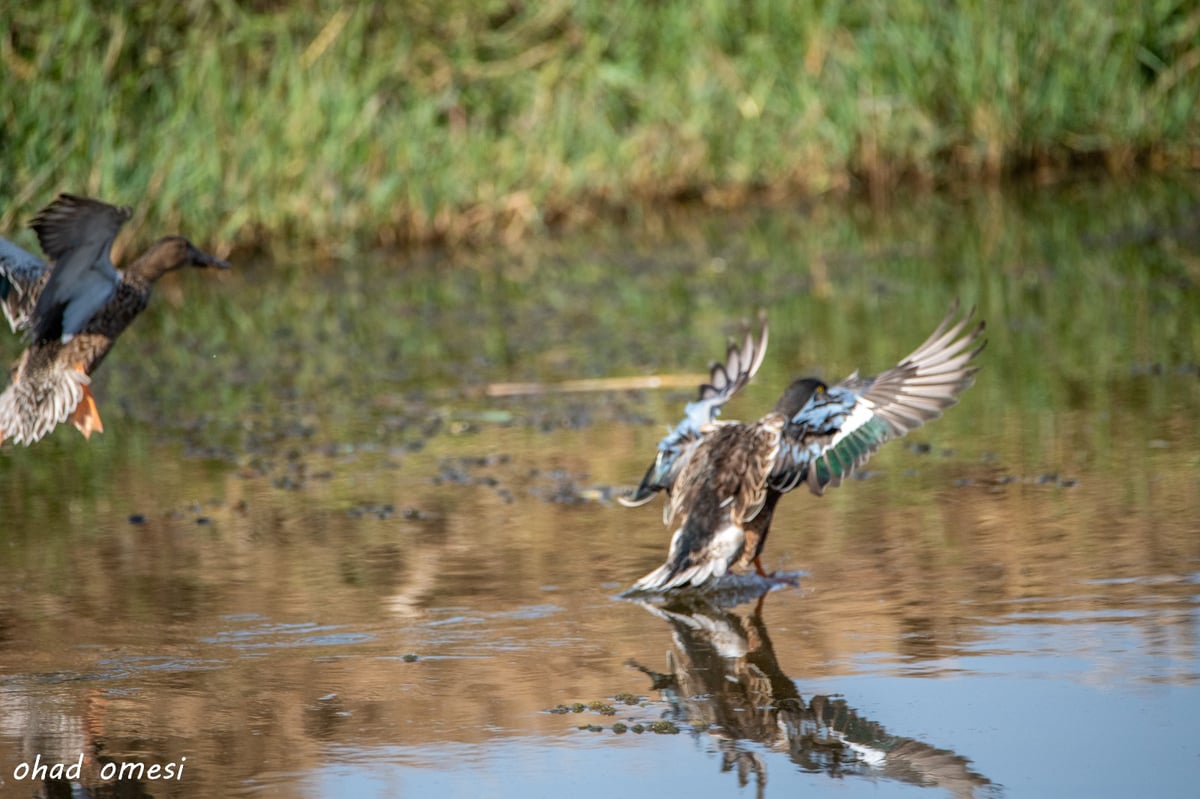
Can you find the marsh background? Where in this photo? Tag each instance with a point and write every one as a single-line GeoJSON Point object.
{"type": "Point", "coordinates": [317, 553]}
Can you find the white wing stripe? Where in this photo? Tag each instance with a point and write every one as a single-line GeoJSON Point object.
{"type": "Point", "coordinates": [863, 412]}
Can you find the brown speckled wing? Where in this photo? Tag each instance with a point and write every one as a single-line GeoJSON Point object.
{"type": "Point", "coordinates": [45, 395]}
{"type": "Point", "coordinates": [731, 463]}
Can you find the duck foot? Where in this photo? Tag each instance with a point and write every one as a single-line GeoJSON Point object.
{"type": "Point", "coordinates": [778, 578]}
{"type": "Point", "coordinates": [86, 416]}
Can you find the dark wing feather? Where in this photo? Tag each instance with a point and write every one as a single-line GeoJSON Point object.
{"type": "Point", "coordinates": [77, 234]}
{"type": "Point", "coordinates": [839, 429]}
{"type": "Point", "coordinates": [72, 222]}
{"type": "Point", "coordinates": [728, 378]}
{"type": "Point", "coordinates": [725, 380]}
{"type": "Point", "coordinates": [22, 275]}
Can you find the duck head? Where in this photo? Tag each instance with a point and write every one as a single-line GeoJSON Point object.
{"type": "Point", "coordinates": [170, 253]}
{"type": "Point", "coordinates": [183, 253]}
{"type": "Point", "coordinates": [797, 395]}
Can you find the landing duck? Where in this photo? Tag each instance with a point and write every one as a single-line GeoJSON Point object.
{"type": "Point", "coordinates": [723, 479]}
{"type": "Point", "coordinates": [72, 307]}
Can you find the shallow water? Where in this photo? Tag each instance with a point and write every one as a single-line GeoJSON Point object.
{"type": "Point", "coordinates": [312, 556]}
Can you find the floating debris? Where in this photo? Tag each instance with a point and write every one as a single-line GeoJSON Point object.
{"type": "Point", "coordinates": [998, 481]}
{"type": "Point", "coordinates": [415, 515]}
{"type": "Point", "coordinates": [384, 510]}
{"type": "Point", "coordinates": [603, 708]}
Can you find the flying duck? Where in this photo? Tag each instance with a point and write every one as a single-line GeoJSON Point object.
{"type": "Point", "coordinates": [72, 308]}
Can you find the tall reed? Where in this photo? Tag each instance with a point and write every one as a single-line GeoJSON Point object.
{"type": "Point", "coordinates": [342, 125]}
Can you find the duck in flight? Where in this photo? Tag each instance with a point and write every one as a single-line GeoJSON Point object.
{"type": "Point", "coordinates": [72, 308]}
{"type": "Point", "coordinates": [723, 478]}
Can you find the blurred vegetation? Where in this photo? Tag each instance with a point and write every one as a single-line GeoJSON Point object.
{"type": "Point", "coordinates": [344, 125]}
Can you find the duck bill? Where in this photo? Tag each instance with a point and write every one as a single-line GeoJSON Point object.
{"type": "Point", "coordinates": [200, 258]}
{"type": "Point", "coordinates": [217, 263]}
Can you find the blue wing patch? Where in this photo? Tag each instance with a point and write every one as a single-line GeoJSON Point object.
{"type": "Point", "coordinates": [832, 435]}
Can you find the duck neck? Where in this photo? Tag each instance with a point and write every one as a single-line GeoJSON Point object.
{"type": "Point", "coordinates": [162, 257]}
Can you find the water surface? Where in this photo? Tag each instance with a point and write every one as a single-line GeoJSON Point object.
{"type": "Point", "coordinates": [314, 556]}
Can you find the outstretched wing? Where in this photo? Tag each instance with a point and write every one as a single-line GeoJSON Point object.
{"type": "Point", "coordinates": [725, 380]}
{"type": "Point", "coordinates": [77, 234]}
{"type": "Point", "coordinates": [22, 275]}
{"type": "Point", "coordinates": [840, 428]}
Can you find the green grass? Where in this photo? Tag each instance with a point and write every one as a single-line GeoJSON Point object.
{"type": "Point", "coordinates": [340, 126]}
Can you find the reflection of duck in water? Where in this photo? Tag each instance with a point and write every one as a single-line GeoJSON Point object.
{"type": "Point", "coordinates": [723, 677]}
{"type": "Point", "coordinates": [724, 478]}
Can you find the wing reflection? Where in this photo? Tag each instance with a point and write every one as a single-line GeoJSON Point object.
{"type": "Point", "coordinates": [722, 675]}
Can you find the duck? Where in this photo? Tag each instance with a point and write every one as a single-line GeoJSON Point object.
{"type": "Point", "coordinates": [724, 479]}
{"type": "Point", "coordinates": [71, 308]}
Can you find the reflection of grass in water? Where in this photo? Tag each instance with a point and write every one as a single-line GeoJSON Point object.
{"type": "Point", "coordinates": [1073, 310]}
{"type": "Point", "coordinates": [1080, 294]}
{"type": "Point", "coordinates": [1085, 290]}
{"type": "Point", "coordinates": [426, 120]}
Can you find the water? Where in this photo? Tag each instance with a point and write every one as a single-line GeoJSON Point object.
{"type": "Point", "coordinates": [313, 557]}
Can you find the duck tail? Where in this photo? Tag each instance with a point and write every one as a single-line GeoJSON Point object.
{"type": "Point", "coordinates": [697, 557]}
{"type": "Point", "coordinates": [37, 401]}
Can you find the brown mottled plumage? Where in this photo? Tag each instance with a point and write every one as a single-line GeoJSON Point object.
{"type": "Point", "coordinates": [73, 311]}
{"type": "Point", "coordinates": [724, 479]}
{"type": "Point", "coordinates": [714, 497]}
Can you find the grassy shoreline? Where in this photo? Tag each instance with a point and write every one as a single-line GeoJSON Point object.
{"type": "Point", "coordinates": [339, 127]}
